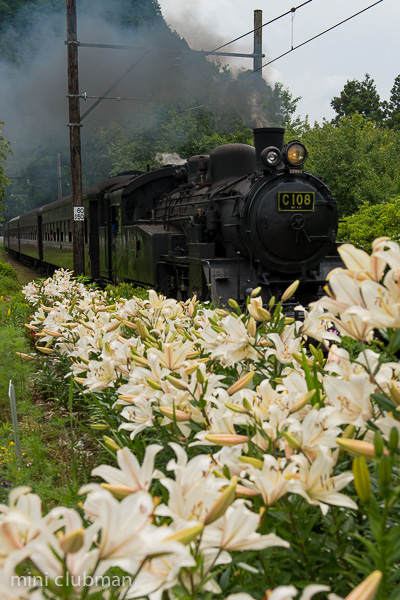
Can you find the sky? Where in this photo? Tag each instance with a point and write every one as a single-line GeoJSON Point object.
{"type": "Point", "coordinates": [318, 71]}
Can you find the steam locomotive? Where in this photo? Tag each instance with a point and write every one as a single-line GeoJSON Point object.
{"type": "Point", "coordinates": [227, 222]}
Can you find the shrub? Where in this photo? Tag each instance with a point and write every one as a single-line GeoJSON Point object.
{"type": "Point", "coordinates": [371, 222]}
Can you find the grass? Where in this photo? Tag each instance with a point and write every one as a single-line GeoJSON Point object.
{"type": "Point", "coordinates": [57, 456]}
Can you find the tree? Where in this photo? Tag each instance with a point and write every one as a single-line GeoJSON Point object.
{"type": "Point", "coordinates": [361, 97]}
{"type": "Point", "coordinates": [357, 159]}
{"type": "Point", "coordinates": [5, 151]}
{"type": "Point", "coordinates": [392, 108]}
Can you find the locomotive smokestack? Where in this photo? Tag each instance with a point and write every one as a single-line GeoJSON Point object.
{"type": "Point", "coordinates": [264, 137]}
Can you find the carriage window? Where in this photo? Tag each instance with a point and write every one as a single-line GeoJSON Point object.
{"type": "Point", "coordinates": [129, 210]}
{"type": "Point", "coordinates": [115, 220]}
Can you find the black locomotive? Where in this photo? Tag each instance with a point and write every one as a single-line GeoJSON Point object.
{"type": "Point", "coordinates": [227, 222]}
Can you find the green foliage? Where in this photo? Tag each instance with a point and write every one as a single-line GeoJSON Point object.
{"type": "Point", "coordinates": [359, 97]}
{"type": "Point", "coordinates": [392, 108]}
{"type": "Point", "coordinates": [371, 222]}
{"type": "Point", "coordinates": [358, 161]}
{"type": "Point", "coordinates": [5, 152]}
{"type": "Point", "coordinates": [16, 17]}
{"type": "Point", "coordinates": [175, 129]}
{"type": "Point", "coordinates": [125, 290]}
{"type": "Point", "coordinates": [6, 270]}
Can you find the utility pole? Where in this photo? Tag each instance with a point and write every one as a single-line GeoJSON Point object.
{"type": "Point", "coordinates": [78, 247]}
{"type": "Point", "coordinates": [257, 59]}
{"type": "Point", "coordinates": [59, 184]}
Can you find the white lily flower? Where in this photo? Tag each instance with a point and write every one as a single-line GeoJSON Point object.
{"type": "Point", "coordinates": [316, 484]}
{"type": "Point", "coordinates": [101, 375]}
{"type": "Point", "coordinates": [237, 344]}
{"type": "Point", "coordinates": [121, 540]}
{"type": "Point", "coordinates": [236, 530]}
{"type": "Point", "coordinates": [351, 399]}
{"type": "Point", "coordinates": [314, 432]}
{"type": "Point", "coordinates": [274, 479]}
{"type": "Point", "coordinates": [172, 355]}
{"type": "Point", "coordinates": [130, 477]}
{"type": "Point", "coordinates": [139, 414]}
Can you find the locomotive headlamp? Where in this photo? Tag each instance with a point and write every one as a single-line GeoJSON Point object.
{"type": "Point", "coordinates": [296, 154]}
{"type": "Point", "coordinates": [271, 156]}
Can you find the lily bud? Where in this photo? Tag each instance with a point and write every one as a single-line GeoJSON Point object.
{"type": "Point", "coordinates": [394, 392]}
{"type": "Point", "coordinates": [263, 314]}
{"type": "Point", "coordinates": [99, 426]}
{"type": "Point", "coordinates": [393, 442]}
{"type": "Point", "coordinates": [118, 491]}
{"type": "Point", "coordinates": [362, 481]}
{"type": "Point", "coordinates": [140, 360]}
{"type": "Point", "coordinates": [367, 589]}
{"type": "Point", "coordinates": [378, 444]}
{"type": "Point", "coordinates": [385, 471]}
{"type": "Point", "coordinates": [232, 303]}
{"type": "Point", "coordinates": [109, 308]}
{"type": "Point", "coordinates": [250, 460]}
{"type": "Point", "coordinates": [72, 542]}
{"type": "Point", "coordinates": [185, 536]}
{"type": "Point", "coordinates": [221, 504]}
{"type": "Point", "coordinates": [179, 384]}
{"type": "Point", "coordinates": [237, 408]}
{"type": "Point", "coordinates": [200, 376]}
{"type": "Point", "coordinates": [241, 383]}
{"type": "Point", "coordinates": [217, 328]}
{"type": "Point", "coordinates": [251, 326]}
{"type": "Point", "coordinates": [170, 413]}
{"type": "Point", "coordinates": [244, 492]}
{"type": "Point", "coordinates": [357, 447]}
{"type": "Point", "coordinates": [247, 405]}
{"type": "Point", "coordinates": [191, 369]}
{"type": "Point", "coordinates": [303, 401]}
{"type": "Point", "coordinates": [153, 384]}
{"type": "Point", "coordinates": [129, 324]}
{"type": "Point", "coordinates": [227, 439]}
{"type": "Point", "coordinates": [25, 356]}
{"type": "Point", "coordinates": [87, 324]}
{"type": "Point", "coordinates": [52, 333]}
{"type": "Point", "coordinates": [45, 350]}
{"type": "Point", "coordinates": [293, 443]}
{"type": "Point", "coordinates": [255, 292]}
{"type": "Point", "coordinates": [288, 293]}
{"type": "Point", "coordinates": [349, 432]}
{"type": "Point", "coordinates": [142, 329]}
{"type": "Point", "coordinates": [110, 444]}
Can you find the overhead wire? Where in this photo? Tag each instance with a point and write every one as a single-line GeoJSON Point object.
{"type": "Point", "coordinates": [100, 98]}
{"type": "Point", "coordinates": [252, 72]}
{"type": "Point", "coordinates": [318, 35]}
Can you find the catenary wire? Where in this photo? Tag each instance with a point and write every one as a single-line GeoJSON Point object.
{"type": "Point", "coordinates": [260, 68]}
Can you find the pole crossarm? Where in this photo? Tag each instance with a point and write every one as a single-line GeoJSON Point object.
{"type": "Point", "coordinates": [191, 52]}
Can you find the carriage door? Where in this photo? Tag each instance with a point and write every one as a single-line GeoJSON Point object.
{"type": "Point", "coordinates": [104, 239]}
{"type": "Point", "coordinates": [115, 219]}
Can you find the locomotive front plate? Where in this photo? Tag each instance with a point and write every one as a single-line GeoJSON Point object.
{"type": "Point", "coordinates": [296, 201]}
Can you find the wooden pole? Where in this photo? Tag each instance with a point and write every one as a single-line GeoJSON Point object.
{"type": "Point", "coordinates": [59, 183]}
{"type": "Point", "coordinates": [257, 60]}
{"type": "Point", "coordinates": [78, 247]}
